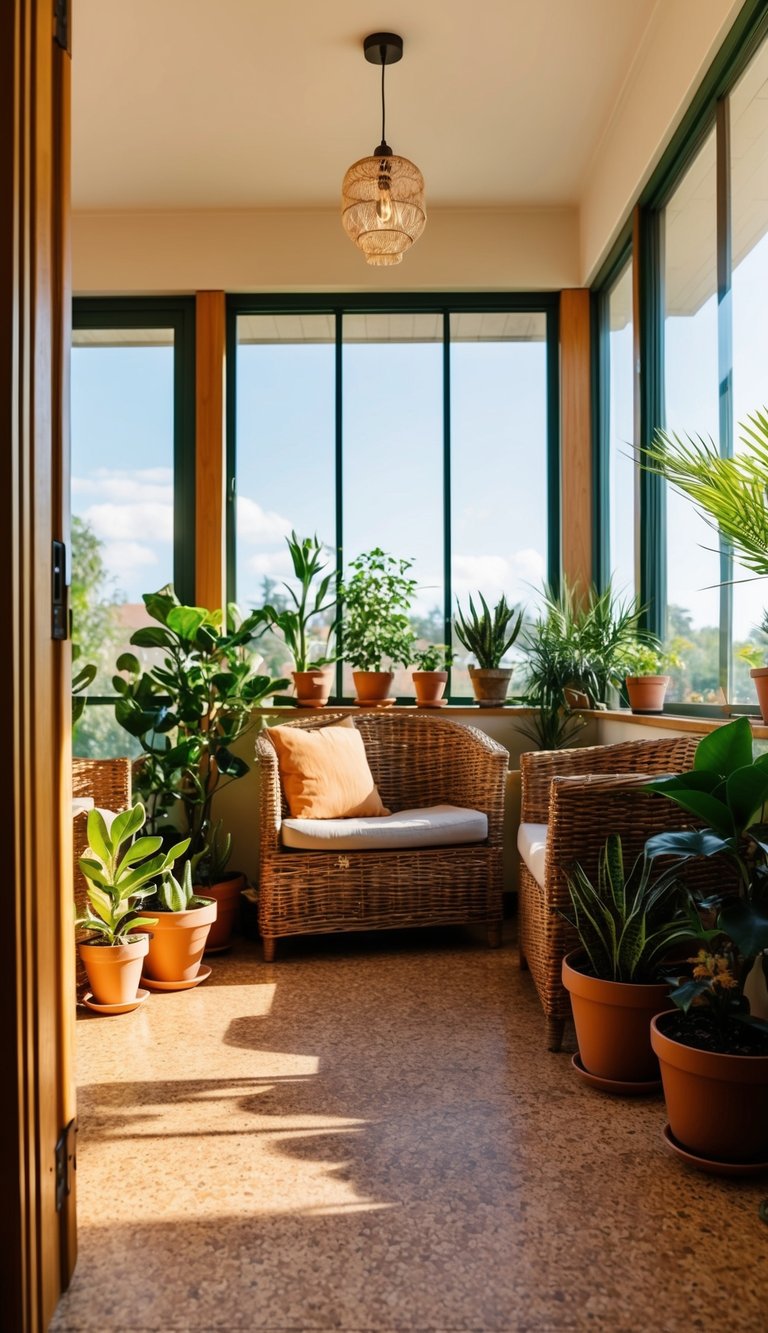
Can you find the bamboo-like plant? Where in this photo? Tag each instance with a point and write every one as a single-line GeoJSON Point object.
{"type": "Point", "coordinates": [487, 634]}
{"type": "Point", "coordinates": [293, 622]}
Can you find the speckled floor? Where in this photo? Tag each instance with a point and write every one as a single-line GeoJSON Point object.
{"type": "Point", "coordinates": [368, 1135]}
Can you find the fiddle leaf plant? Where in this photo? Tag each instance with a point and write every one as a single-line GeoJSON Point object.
{"type": "Point", "coordinates": [119, 880]}
{"type": "Point", "coordinates": [187, 709]}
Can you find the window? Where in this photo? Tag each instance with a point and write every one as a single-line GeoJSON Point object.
{"type": "Point", "coordinates": [621, 473]}
{"type": "Point", "coordinates": [431, 433]}
{"type": "Point", "coordinates": [701, 265]}
{"type": "Point", "coordinates": [691, 407]}
{"type": "Point", "coordinates": [132, 522]}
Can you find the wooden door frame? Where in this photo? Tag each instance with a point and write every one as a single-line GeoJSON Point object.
{"type": "Point", "coordinates": [36, 955]}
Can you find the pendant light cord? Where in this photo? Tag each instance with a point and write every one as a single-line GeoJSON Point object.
{"type": "Point", "coordinates": [383, 107]}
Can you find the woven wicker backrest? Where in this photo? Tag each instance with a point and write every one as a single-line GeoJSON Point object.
{"type": "Point", "coordinates": [418, 760]}
{"type": "Point", "coordinates": [538, 767]}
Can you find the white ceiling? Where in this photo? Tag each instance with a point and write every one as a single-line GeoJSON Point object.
{"type": "Point", "coordinates": [263, 104]}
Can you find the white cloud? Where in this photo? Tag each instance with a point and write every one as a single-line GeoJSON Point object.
{"type": "Point", "coordinates": [270, 564]}
{"type": "Point", "coordinates": [129, 522]}
{"type": "Point", "coordinates": [259, 526]}
{"type": "Point", "coordinates": [497, 574]}
{"type": "Point", "coordinates": [122, 486]}
{"type": "Point", "coordinates": [126, 559]}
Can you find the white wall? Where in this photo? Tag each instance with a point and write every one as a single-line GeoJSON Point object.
{"type": "Point", "coordinates": [680, 44]}
{"type": "Point", "coordinates": [176, 253]}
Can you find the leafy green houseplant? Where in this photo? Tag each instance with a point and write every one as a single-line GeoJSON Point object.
{"type": "Point", "coordinates": [312, 676]}
{"type": "Point", "coordinates": [728, 492]}
{"type": "Point", "coordinates": [119, 878]}
{"type": "Point", "coordinates": [626, 924]}
{"type": "Point", "coordinates": [430, 676]}
{"type": "Point", "coordinates": [488, 635]}
{"type": "Point", "coordinates": [210, 873]}
{"type": "Point", "coordinates": [711, 1034]}
{"type": "Point", "coordinates": [646, 679]}
{"type": "Point", "coordinates": [188, 709]}
{"type": "Point", "coordinates": [377, 597]}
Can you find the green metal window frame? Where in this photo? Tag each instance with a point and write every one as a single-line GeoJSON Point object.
{"type": "Point", "coordinates": [444, 304]}
{"type": "Point", "coordinates": [709, 109]}
{"type": "Point", "coordinates": [177, 313]}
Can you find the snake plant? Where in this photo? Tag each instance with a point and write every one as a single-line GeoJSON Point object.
{"type": "Point", "coordinates": [487, 634]}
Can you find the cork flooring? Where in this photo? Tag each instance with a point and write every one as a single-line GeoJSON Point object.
{"type": "Point", "coordinates": [368, 1135]}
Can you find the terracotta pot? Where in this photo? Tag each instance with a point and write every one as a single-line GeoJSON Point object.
{"type": "Point", "coordinates": [491, 685]}
{"type": "Point", "coordinates": [313, 687]}
{"type": "Point", "coordinates": [646, 693]}
{"type": "Point", "coordinates": [114, 970]}
{"type": "Point", "coordinates": [177, 943]}
{"type": "Point", "coordinates": [612, 1023]}
{"type": "Point", "coordinates": [760, 677]}
{"type": "Point", "coordinates": [717, 1104]}
{"type": "Point", "coordinates": [372, 687]}
{"type": "Point", "coordinates": [429, 686]}
{"type": "Point", "coordinates": [226, 895]}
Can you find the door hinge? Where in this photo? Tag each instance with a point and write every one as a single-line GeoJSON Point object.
{"type": "Point", "coordinates": [66, 1163]}
{"type": "Point", "coordinates": [62, 25]}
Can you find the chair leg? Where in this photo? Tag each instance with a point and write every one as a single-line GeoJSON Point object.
{"type": "Point", "coordinates": [555, 1029]}
{"type": "Point", "coordinates": [269, 946]}
{"type": "Point", "coordinates": [494, 936]}
{"type": "Point", "coordinates": [523, 961]}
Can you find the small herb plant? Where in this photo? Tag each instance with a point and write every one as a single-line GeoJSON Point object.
{"type": "Point", "coordinates": [210, 865]}
{"type": "Point", "coordinates": [627, 924]}
{"type": "Point", "coordinates": [377, 599]}
{"type": "Point", "coordinates": [293, 622]}
{"type": "Point", "coordinates": [488, 634]}
{"type": "Point", "coordinates": [649, 659]}
{"type": "Point", "coordinates": [118, 880]}
{"type": "Point", "coordinates": [435, 657]}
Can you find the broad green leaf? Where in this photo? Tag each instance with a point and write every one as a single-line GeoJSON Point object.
{"type": "Point", "coordinates": [128, 662]}
{"type": "Point", "coordinates": [745, 925]}
{"type": "Point", "coordinates": [231, 764]}
{"type": "Point", "coordinates": [186, 620]}
{"type": "Point", "coordinates": [685, 995]}
{"type": "Point", "coordinates": [727, 748]}
{"type": "Point", "coordinates": [747, 792]}
{"type": "Point", "coordinates": [126, 824]}
{"type": "Point", "coordinates": [98, 838]}
{"type": "Point", "coordinates": [697, 842]}
{"type": "Point", "coordinates": [151, 636]}
{"type": "Point", "coordinates": [705, 807]}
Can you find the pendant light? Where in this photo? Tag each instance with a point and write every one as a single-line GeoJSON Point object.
{"type": "Point", "coordinates": [382, 197]}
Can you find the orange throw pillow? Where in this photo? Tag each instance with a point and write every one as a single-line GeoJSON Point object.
{"type": "Point", "coordinates": [325, 773]}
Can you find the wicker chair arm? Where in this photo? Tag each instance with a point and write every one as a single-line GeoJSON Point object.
{"type": "Point", "coordinates": [538, 767]}
{"type": "Point", "coordinates": [584, 810]}
{"type": "Point", "coordinates": [270, 798]}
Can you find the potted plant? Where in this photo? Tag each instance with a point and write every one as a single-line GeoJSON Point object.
{"type": "Point", "coordinates": [210, 874]}
{"type": "Point", "coordinates": [187, 709]}
{"type": "Point", "coordinates": [729, 493]}
{"type": "Point", "coordinates": [627, 925]}
{"type": "Point", "coordinates": [118, 880]}
{"type": "Point", "coordinates": [489, 635]}
{"type": "Point", "coordinates": [179, 934]}
{"type": "Point", "coordinates": [312, 677]}
{"type": "Point", "coordinates": [713, 1053]}
{"type": "Point", "coordinates": [376, 625]}
{"type": "Point", "coordinates": [577, 648]}
{"type": "Point", "coordinates": [431, 675]}
{"type": "Point", "coordinates": [646, 679]}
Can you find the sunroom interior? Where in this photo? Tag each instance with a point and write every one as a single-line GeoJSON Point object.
{"type": "Point", "coordinates": [369, 1132]}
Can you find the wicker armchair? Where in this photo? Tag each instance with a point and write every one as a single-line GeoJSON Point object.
{"type": "Point", "coordinates": [582, 795]}
{"type": "Point", "coordinates": [108, 783]}
{"type": "Point", "coordinates": [415, 761]}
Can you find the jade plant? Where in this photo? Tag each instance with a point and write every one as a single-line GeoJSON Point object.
{"type": "Point", "coordinates": [118, 880]}
{"type": "Point", "coordinates": [187, 709]}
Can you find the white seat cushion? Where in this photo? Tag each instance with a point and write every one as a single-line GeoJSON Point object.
{"type": "Point", "coordinates": [434, 826]}
{"type": "Point", "coordinates": [532, 846]}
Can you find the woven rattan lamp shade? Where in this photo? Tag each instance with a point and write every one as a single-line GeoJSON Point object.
{"type": "Point", "coordinates": [383, 239]}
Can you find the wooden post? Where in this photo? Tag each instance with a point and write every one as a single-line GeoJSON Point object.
{"type": "Point", "coordinates": [210, 450]}
{"type": "Point", "coordinates": [576, 436]}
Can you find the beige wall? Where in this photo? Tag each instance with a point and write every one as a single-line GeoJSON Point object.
{"type": "Point", "coordinates": [473, 250]}
{"type": "Point", "coordinates": [680, 44]}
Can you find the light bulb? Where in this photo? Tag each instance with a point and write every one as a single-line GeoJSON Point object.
{"type": "Point", "coordinates": [384, 206]}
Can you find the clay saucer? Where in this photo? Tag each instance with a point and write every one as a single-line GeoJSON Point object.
{"type": "Point", "coordinates": [712, 1164]}
{"type": "Point", "coordinates": [202, 975]}
{"type": "Point", "coordinates": [618, 1087]}
{"type": "Point", "coordinates": [127, 1008]}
